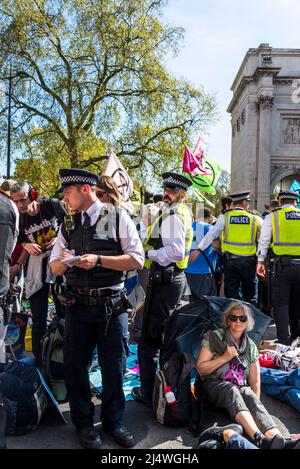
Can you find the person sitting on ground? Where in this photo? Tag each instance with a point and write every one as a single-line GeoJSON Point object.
{"type": "Point", "coordinates": [229, 369]}
{"type": "Point", "coordinates": [228, 437]}
{"type": "Point", "coordinates": [231, 437]}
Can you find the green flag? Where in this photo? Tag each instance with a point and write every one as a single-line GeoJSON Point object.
{"type": "Point", "coordinates": [200, 197]}
{"type": "Point", "coordinates": [206, 183]}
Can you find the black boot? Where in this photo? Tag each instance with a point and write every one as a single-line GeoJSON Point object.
{"type": "Point", "coordinates": [89, 438]}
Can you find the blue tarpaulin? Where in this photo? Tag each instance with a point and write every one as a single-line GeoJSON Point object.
{"type": "Point", "coordinates": [295, 186]}
{"type": "Point", "coordinates": [283, 385]}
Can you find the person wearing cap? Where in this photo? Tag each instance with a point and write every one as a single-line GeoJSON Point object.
{"type": "Point", "coordinates": [238, 230]}
{"type": "Point", "coordinates": [281, 235]}
{"type": "Point", "coordinates": [274, 205]}
{"type": "Point", "coordinates": [40, 219]}
{"type": "Point", "coordinates": [167, 249]}
{"type": "Point", "coordinates": [93, 250]}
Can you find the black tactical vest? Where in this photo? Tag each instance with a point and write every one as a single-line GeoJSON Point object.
{"type": "Point", "coordinates": [7, 231]}
{"type": "Point", "coordinates": [97, 239]}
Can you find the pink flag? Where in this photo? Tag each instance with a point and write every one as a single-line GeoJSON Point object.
{"type": "Point", "coordinates": [194, 162]}
{"type": "Point", "coordinates": [199, 148]}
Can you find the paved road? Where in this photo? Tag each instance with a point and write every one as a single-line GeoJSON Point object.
{"type": "Point", "coordinates": [51, 434]}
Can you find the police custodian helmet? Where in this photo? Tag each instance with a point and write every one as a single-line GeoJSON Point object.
{"type": "Point", "coordinates": [70, 176]}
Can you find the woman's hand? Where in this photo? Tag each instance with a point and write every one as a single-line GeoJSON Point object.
{"type": "Point", "coordinates": [230, 353]}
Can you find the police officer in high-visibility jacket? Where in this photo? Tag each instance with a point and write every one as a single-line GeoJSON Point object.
{"type": "Point", "coordinates": [167, 248]}
{"type": "Point", "coordinates": [281, 233]}
{"type": "Point", "coordinates": [238, 229]}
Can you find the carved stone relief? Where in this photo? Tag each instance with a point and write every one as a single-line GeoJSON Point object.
{"type": "Point", "coordinates": [291, 131]}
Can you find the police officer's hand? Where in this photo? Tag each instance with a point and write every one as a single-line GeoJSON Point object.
{"type": "Point", "coordinates": [193, 255]}
{"type": "Point", "coordinates": [261, 269]}
{"type": "Point", "coordinates": [32, 248]}
{"type": "Point", "coordinates": [230, 353]}
{"type": "Point", "coordinates": [66, 254]}
{"type": "Point", "coordinates": [87, 261]}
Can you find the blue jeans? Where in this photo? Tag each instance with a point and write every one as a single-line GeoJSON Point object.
{"type": "Point", "coordinates": [239, 442]}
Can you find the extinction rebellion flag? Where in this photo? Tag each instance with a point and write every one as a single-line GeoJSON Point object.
{"type": "Point", "coordinates": [203, 172]}
{"type": "Point", "coordinates": [116, 170]}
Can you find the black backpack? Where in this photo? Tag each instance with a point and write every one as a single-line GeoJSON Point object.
{"type": "Point", "coordinates": [176, 373]}
{"type": "Point", "coordinates": [52, 358]}
{"type": "Point", "coordinates": [24, 397]}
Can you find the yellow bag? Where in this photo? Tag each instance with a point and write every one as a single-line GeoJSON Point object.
{"type": "Point", "coordinates": [28, 341]}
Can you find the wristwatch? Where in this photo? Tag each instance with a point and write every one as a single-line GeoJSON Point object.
{"type": "Point", "coordinates": [99, 261]}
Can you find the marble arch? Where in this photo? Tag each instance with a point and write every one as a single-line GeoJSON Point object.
{"type": "Point", "coordinates": [266, 104]}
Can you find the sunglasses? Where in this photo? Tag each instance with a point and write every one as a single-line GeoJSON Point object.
{"type": "Point", "coordinates": [100, 194]}
{"type": "Point", "coordinates": [234, 318]}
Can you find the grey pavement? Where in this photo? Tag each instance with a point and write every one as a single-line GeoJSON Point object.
{"type": "Point", "coordinates": [52, 434]}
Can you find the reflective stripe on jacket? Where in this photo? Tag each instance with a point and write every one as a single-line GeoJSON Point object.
{"type": "Point", "coordinates": [286, 231]}
{"type": "Point", "coordinates": [239, 234]}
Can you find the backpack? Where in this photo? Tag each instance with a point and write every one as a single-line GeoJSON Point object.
{"type": "Point", "coordinates": [24, 397]}
{"type": "Point", "coordinates": [52, 358]}
{"type": "Point", "coordinates": [176, 373]}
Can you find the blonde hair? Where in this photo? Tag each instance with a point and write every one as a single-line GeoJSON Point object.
{"type": "Point", "coordinates": [246, 310]}
{"type": "Point", "coordinates": [107, 184]}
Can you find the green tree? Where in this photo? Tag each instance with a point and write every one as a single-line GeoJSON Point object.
{"type": "Point", "coordinates": [222, 188]}
{"type": "Point", "coordinates": [97, 80]}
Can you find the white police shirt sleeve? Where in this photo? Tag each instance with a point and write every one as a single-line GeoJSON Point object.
{"type": "Point", "coordinates": [213, 233]}
{"type": "Point", "coordinates": [130, 240]}
{"type": "Point", "coordinates": [173, 239]}
{"type": "Point", "coordinates": [58, 247]}
{"type": "Point", "coordinates": [265, 238]}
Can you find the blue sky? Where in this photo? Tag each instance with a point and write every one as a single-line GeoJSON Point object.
{"type": "Point", "coordinates": [218, 35]}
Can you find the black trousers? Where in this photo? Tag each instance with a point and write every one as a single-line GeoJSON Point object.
{"type": "Point", "coordinates": [39, 310]}
{"type": "Point", "coordinates": [286, 303]}
{"type": "Point", "coordinates": [164, 298]}
{"type": "Point", "coordinates": [240, 274]}
{"type": "Point", "coordinates": [85, 328]}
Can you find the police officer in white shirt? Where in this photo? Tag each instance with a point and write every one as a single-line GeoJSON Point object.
{"type": "Point", "coordinates": [238, 229]}
{"type": "Point", "coordinates": [167, 248]}
{"type": "Point", "coordinates": [93, 250]}
{"type": "Point", "coordinates": [280, 236]}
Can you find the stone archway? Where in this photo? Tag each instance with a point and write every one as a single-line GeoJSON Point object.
{"type": "Point", "coordinates": [283, 178]}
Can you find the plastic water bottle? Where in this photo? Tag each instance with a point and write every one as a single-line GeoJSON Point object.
{"type": "Point", "coordinates": [170, 396]}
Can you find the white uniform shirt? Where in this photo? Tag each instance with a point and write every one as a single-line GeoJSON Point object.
{"type": "Point", "coordinates": [129, 238]}
{"type": "Point", "coordinates": [266, 236]}
{"type": "Point", "coordinates": [214, 233]}
{"type": "Point", "coordinates": [172, 231]}
{"type": "Point", "coordinates": [217, 229]}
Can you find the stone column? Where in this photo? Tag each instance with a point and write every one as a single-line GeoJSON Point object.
{"type": "Point", "coordinates": [264, 105]}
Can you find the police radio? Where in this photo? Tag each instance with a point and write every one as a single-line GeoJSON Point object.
{"type": "Point", "coordinates": [69, 222]}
